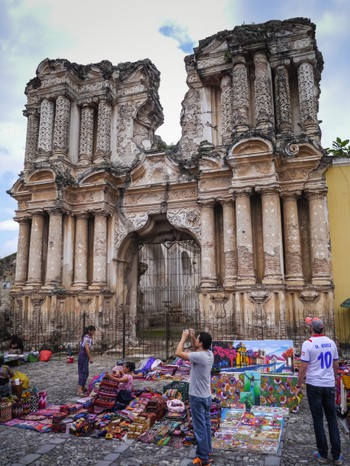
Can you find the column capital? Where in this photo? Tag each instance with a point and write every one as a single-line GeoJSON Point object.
{"type": "Point", "coordinates": [241, 192]}
{"type": "Point", "coordinates": [206, 202]}
{"type": "Point", "coordinates": [290, 195]}
{"type": "Point", "coordinates": [22, 219]}
{"type": "Point", "coordinates": [316, 193]}
{"type": "Point", "coordinates": [271, 189]}
{"type": "Point", "coordinates": [36, 212]}
{"type": "Point", "coordinates": [225, 200]}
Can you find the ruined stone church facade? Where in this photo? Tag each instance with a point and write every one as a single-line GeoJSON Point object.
{"type": "Point", "coordinates": [244, 189]}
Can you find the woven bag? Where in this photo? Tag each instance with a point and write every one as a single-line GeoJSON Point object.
{"type": "Point", "coordinates": [5, 411]}
{"type": "Point", "coordinates": [17, 408]}
{"type": "Point", "coordinates": [34, 402]}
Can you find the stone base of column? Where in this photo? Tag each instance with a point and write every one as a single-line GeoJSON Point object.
{"type": "Point", "coordinates": [51, 285]}
{"type": "Point", "coordinates": [229, 283]}
{"type": "Point", "coordinates": [98, 286]}
{"type": "Point", "coordinates": [246, 281]}
{"type": "Point", "coordinates": [208, 283]}
{"type": "Point", "coordinates": [322, 280]}
{"type": "Point", "coordinates": [272, 279]}
{"type": "Point", "coordinates": [32, 285]}
{"type": "Point", "coordinates": [84, 161]}
{"type": "Point", "coordinates": [294, 280]}
{"type": "Point", "coordinates": [18, 286]}
{"type": "Point", "coordinates": [79, 286]}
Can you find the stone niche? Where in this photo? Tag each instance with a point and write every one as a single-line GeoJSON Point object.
{"type": "Point", "coordinates": [245, 184]}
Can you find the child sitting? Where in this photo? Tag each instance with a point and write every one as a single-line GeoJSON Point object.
{"type": "Point", "coordinates": [125, 380]}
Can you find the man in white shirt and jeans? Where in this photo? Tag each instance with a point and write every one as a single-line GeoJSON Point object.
{"type": "Point", "coordinates": [319, 365]}
{"type": "Point", "coordinates": [200, 391]}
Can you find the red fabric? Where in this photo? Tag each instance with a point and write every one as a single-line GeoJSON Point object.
{"type": "Point", "coordinates": [45, 355]}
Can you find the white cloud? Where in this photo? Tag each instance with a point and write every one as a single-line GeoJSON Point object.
{"type": "Point", "coordinates": [8, 225]}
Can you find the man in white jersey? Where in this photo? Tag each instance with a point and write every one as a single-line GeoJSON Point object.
{"type": "Point", "coordinates": [200, 391]}
{"type": "Point", "coordinates": [319, 367]}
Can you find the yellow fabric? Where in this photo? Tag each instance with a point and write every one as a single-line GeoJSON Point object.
{"type": "Point", "coordinates": [25, 381]}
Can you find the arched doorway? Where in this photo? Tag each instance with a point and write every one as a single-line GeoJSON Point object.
{"type": "Point", "coordinates": [167, 293]}
{"type": "Point", "coordinates": [161, 282]}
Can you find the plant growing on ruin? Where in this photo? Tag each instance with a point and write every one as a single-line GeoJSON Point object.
{"type": "Point", "coordinates": [339, 148]}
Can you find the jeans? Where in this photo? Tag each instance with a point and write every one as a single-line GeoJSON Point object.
{"type": "Point", "coordinates": [200, 411]}
{"type": "Point", "coordinates": [323, 399]}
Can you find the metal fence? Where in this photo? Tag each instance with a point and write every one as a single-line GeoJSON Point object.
{"type": "Point", "coordinates": [167, 302]}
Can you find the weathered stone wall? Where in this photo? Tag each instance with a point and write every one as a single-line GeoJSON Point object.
{"type": "Point", "coordinates": [246, 182]}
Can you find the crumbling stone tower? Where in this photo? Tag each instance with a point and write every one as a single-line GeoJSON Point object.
{"type": "Point", "coordinates": [245, 184]}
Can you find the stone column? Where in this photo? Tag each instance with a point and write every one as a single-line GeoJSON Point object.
{"type": "Point", "coordinates": [22, 252]}
{"type": "Point", "coordinates": [245, 258]}
{"type": "Point", "coordinates": [226, 110]}
{"type": "Point", "coordinates": [54, 249]}
{"type": "Point", "coordinates": [100, 250]}
{"type": "Point", "coordinates": [272, 235]}
{"type": "Point", "coordinates": [35, 250]}
{"type": "Point", "coordinates": [283, 102]}
{"type": "Point", "coordinates": [103, 143]}
{"type": "Point", "coordinates": [263, 94]}
{"type": "Point", "coordinates": [61, 128]}
{"type": "Point", "coordinates": [81, 252]}
{"type": "Point", "coordinates": [319, 236]}
{"type": "Point", "coordinates": [240, 88]}
{"type": "Point", "coordinates": [32, 134]}
{"type": "Point", "coordinates": [308, 99]}
{"type": "Point", "coordinates": [230, 246]}
{"type": "Point", "coordinates": [68, 250]}
{"type": "Point", "coordinates": [292, 243]}
{"type": "Point", "coordinates": [86, 142]}
{"type": "Point", "coordinates": [47, 110]}
{"type": "Point", "coordinates": [208, 244]}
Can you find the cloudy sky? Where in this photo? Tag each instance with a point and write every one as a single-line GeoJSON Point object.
{"type": "Point", "coordinates": [88, 31]}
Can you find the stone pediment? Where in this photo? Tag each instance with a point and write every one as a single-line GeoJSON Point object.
{"type": "Point", "coordinates": [214, 47]}
{"type": "Point", "coordinates": [253, 146]}
{"type": "Point", "coordinates": [42, 176]}
{"type": "Point", "coordinates": [155, 169]}
{"type": "Point", "coordinates": [100, 177]}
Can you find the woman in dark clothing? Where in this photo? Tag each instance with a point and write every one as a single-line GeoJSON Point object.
{"type": "Point", "coordinates": [16, 345]}
{"type": "Point", "coordinates": [85, 358]}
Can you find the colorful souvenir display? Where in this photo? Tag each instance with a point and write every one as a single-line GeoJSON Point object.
{"type": "Point", "coordinates": [244, 430]}
{"type": "Point", "coordinates": [227, 387]}
{"type": "Point", "coordinates": [278, 390]}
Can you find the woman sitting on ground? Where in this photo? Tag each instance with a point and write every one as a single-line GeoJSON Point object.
{"type": "Point", "coordinates": [125, 380]}
{"type": "Point", "coordinates": [16, 345]}
{"type": "Point", "coordinates": [6, 374]}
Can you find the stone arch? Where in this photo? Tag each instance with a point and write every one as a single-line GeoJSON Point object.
{"type": "Point", "coordinates": [157, 234]}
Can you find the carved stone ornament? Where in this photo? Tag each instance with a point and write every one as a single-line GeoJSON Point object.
{"type": "Point", "coordinates": [186, 218]}
{"type": "Point", "coordinates": [37, 300]}
{"type": "Point", "coordinates": [219, 300]}
{"type": "Point", "coordinates": [309, 295]}
{"type": "Point", "coordinates": [291, 149]}
{"type": "Point", "coordinates": [259, 296]}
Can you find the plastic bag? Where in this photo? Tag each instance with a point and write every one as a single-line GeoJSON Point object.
{"type": "Point", "coordinates": [23, 378]}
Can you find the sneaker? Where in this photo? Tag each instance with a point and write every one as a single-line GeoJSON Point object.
{"type": "Point", "coordinates": [198, 462]}
{"type": "Point", "coordinates": [340, 460]}
{"type": "Point", "coordinates": [319, 458]}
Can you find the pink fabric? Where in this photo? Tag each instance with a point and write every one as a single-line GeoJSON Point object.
{"type": "Point", "coordinates": [127, 385]}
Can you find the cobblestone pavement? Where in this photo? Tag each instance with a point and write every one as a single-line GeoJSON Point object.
{"type": "Point", "coordinates": [23, 447]}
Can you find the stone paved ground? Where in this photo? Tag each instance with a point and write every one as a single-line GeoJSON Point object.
{"type": "Point", "coordinates": [22, 447]}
